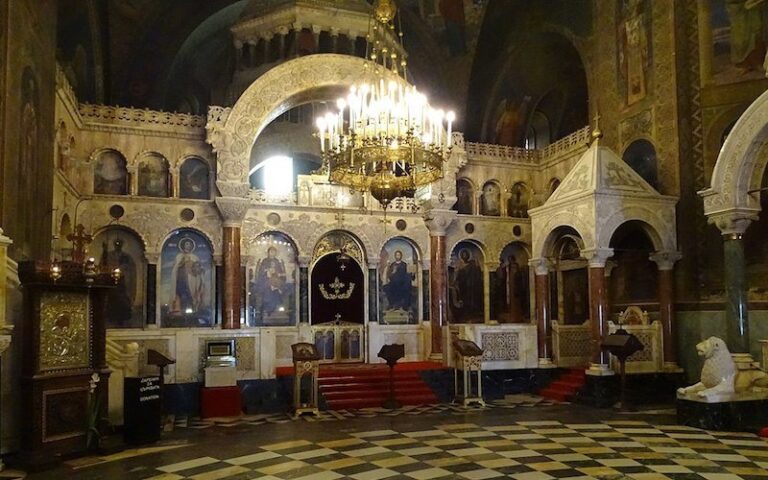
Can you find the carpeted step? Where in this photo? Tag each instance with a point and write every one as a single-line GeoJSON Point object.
{"type": "Point", "coordinates": [364, 386]}
{"type": "Point", "coordinates": [565, 386]}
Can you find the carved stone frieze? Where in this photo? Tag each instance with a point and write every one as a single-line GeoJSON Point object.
{"type": "Point", "coordinates": [232, 209]}
{"type": "Point", "coordinates": [269, 96]}
{"type": "Point", "coordinates": [734, 173]}
{"type": "Point", "coordinates": [639, 125]}
{"type": "Point", "coordinates": [438, 221]}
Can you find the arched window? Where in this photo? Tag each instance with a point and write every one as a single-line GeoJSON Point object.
{"type": "Point", "coordinates": [641, 156]}
{"type": "Point", "coordinates": [110, 175]}
{"type": "Point", "coordinates": [538, 134]}
{"type": "Point", "coordinates": [154, 176]}
{"type": "Point", "coordinates": [195, 179]}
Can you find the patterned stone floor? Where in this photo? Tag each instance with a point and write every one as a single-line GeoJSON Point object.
{"type": "Point", "coordinates": [540, 443]}
{"type": "Point", "coordinates": [510, 402]}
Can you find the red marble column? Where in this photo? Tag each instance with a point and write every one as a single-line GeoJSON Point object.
{"type": "Point", "coordinates": [438, 290]}
{"type": "Point", "coordinates": [598, 310]}
{"type": "Point", "coordinates": [232, 277]}
{"type": "Point", "coordinates": [543, 320]}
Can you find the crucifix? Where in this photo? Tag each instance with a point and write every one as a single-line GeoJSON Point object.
{"type": "Point", "coordinates": [80, 241]}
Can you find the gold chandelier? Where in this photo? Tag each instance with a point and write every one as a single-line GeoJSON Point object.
{"type": "Point", "coordinates": [385, 138]}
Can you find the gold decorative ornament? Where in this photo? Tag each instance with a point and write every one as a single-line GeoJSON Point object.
{"type": "Point", "coordinates": [385, 138]}
{"type": "Point", "coordinates": [64, 330]}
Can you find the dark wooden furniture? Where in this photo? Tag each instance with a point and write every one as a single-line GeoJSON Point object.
{"type": "Point", "coordinates": [391, 354]}
{"type": "Point", "coordinates": [64, 377]}
{"type": "Point", "coordinates": [622, 345]}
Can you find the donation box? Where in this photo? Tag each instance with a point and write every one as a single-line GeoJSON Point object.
{"type": "Point", "coordinates": [142, 405]}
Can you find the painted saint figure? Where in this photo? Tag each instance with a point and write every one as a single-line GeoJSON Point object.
{"type": "Point", "coordinates": [122, 297]}
{"type": "Point", "coordinates": [747, 36]}
{"type": "Point", "coordinates": [398, 283]}
{"type": "Point", "coordinates": [634, 54]}
{"type": "Point", "coordinates": [189, 293]}
{"type": "Point", "coordinates": [269, 284]}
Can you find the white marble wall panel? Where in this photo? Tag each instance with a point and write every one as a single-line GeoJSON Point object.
{"type": "Point", "coordinates": [411, 336]}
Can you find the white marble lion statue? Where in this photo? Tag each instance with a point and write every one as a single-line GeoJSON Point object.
{"type": "Point", "coordinates": [718, 375]}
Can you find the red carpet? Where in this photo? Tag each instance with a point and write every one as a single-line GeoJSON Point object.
{"type": "Point", "coordinates": [367, 385]}
{"type": "Point", "coordinates": [565, 386]}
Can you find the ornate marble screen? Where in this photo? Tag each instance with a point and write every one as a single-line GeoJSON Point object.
{"type": "Point", "coordinates": [398, 283]}
{"type": "Point", "coordinates": [186, 280]}
{"type": "Point", "coordinates": [272, 281]}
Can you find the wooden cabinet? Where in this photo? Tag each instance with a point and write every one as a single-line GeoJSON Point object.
{"type": "Point", "coordinates": [64, 371]}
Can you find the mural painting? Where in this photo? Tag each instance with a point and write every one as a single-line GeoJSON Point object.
{"type": "Point", "coordinates": [510, 286]}
{"type": "Point", "coordinates": [490, 200]}
{"type": "Point", "coordinates": [121, 248]}
{"type": "Point", "coordinates": [634, 25]}
{"type": "Point", "coordinates": [509, 120]}
{"type": "Point", "coordinates": [519, 200]}
{"type": "Point", "coordinates": [737, 36]}
{"type": "Point", "coordinates": [110, 176]}
{"type": "Point", "coordinates": [153, 177]}
{"type": "Point", "coordinates": [398, 291]}
{"type": "Point", "coordinates": [186, 280]}
{"type": "Point", "coordinates": [194, 179]}
{"type": "Point", "coordinates": [464, 200]}
{"type": "Point", "coordinates": [272, 281]}
{"type": "Point", "coordinates": [465, 284]}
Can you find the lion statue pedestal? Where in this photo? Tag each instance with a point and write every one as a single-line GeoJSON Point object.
{"type": "Point", "coordinates": [730, 396]}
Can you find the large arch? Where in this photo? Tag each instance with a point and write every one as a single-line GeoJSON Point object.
{"type": "Point", "coordinates": [281, 88]}
{"type": "Point", "coordinates": [739, 167]}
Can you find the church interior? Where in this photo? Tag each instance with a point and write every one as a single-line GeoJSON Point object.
{"type": "Point", "coordinates": [482, 238]}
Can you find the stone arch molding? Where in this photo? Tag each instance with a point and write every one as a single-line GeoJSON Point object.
{"type": "Point", "coordinates": [739, 166]}
{"type": "Point", "coordinates": [275, 92]}
{"type": "Point", "coordinates": [658, 227]}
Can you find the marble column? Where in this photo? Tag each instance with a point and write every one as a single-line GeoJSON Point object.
{"type": "Point", "coordinates": [304, 288]}
{"type": "Point", "coordinates": [540, 267]}
{"type": "Point", "coordinates": [233, 212]}
{"type": "Point", "coordinates": [599, 309]}
{"type": "Point", "coordinates": [733, 227]}
{"type": "Point", "coordinates": [488, 268]}
{"type": "Point", "coordinates": [438, 222]}
{"type": "Point", "coordinates": [665, 264]}
{"type": "Point", "coordinates": [238, 55]}
{"type": "Point", "coordinates": [316, 29]}
{"type": "Point", "coordinates": [334, 40]}
{"type": "Point", "coordinates": [282, 33]}
{"type": "Point", "coordinates": [373, 291]}
{"type": "Point", "coordinates": [736, 310]}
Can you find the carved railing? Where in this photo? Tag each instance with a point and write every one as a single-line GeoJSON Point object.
{"type": "Point", "coordinates": [339, 341]}
{"type": "Point", "coordinates": [139, 117]}
{"type": "Point", "coordinates": [577, 140]}
{"type": "Point", "coordinates": [574, 142]}
{"type": "Point", "coordinates": [492, 152]}
{"type": "Point", "coordinates": [648, 360]}
{"type": "Point", "coordinates": [571, 345]}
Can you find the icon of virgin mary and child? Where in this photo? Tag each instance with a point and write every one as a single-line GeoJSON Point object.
{"type": "Point", "coordinates": [191, 294]}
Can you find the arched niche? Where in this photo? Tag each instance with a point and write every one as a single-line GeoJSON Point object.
{"type": "Point", "coordinates": [569, 281]}
{"type": "Point", "coordinates": [195, 179]}
{"type": "Point", "coordinates": [341, 242]}
{"type": "Point", "coordinates": [186, 287]}
{"type": "Point", "coordinates": [110, 173]}
{"type": "Point", "coordinates": [154, 176]}
{"type": "Point", "coordinates": [519, 200]}
{"type": "Point", "coordinates": [641, 156]}
{"type": "Point", "coordinates": [552, 186]}
{"type": "Point", "coordinates": [465, 197]}
{"type": "Point", "coordinates": [399, 282]}
{"type": "Point", "coordinates": [466, 295]}
{"type": "Point", "coordinates": [273, 273]}
{"type": "Point", "coordinates": [756, 250]}
{"type": "Point", "coordinates": [490, 199]}
{"type": "Point", "coordinates": [510, 289]}
{"type": "Point", "coordinates": [119, 247]}
{"type": "Point", "coordinates": [633, 276]}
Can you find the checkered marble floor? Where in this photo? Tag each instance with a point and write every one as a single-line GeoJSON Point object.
{"type": "Point", "coordinates": [510, 402]}
{"type": "Point", "coordinates": [525, 450]}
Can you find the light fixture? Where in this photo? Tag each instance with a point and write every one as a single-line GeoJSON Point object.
{"type": "Point", "coordinates": [384, 137]}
